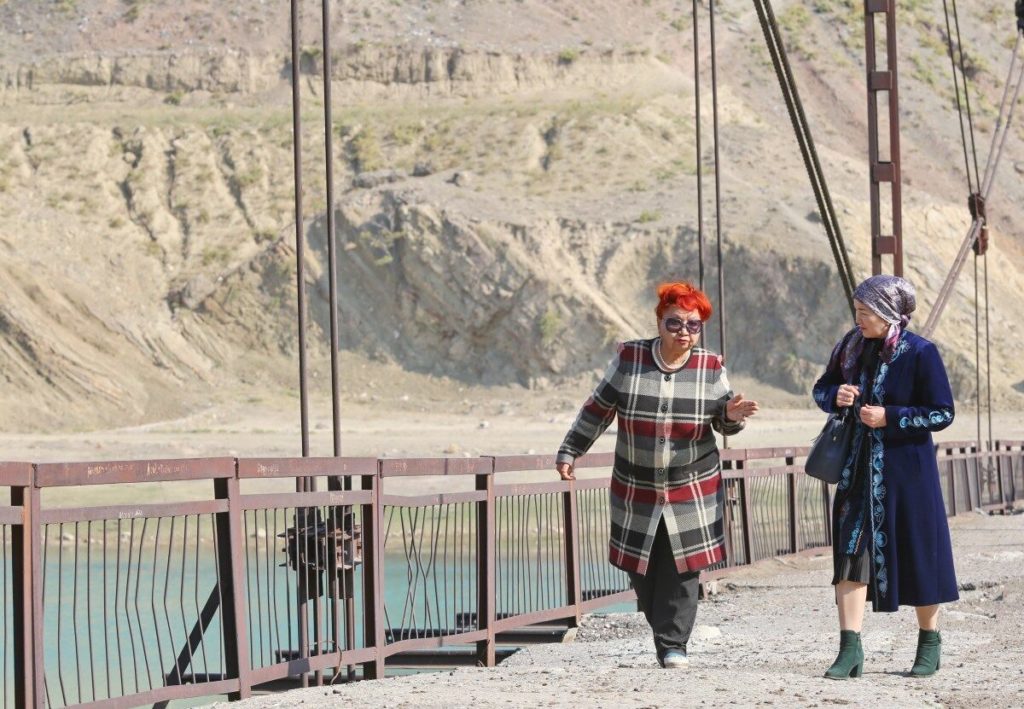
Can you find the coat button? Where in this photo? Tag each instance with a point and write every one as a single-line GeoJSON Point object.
{"type": "Point", "coordinates": [664, 407]}
{"type": "Point", "coordinates": [668, 377]}
{"type": "Point", "coordinates": [661, 440]}
{"type": "Point", "coordinates": [661, 498]}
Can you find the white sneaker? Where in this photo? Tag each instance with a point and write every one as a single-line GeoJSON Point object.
{"type": "Point", "coordinates": [675, 660]}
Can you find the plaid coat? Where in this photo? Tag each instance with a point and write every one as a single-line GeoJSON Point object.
{"type": "Point", "coordinates": [666, 458]}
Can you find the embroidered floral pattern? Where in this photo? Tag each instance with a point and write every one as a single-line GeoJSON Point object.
{"type": "Point", "coordinates": [877, 503]}
{"type": "Point", "coordinates": [934, 418]}
{"type": "Point", "coordinates": [877, 471]}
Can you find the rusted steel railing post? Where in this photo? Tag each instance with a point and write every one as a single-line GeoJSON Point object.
{"type": "Point", "coordinates": [1011, 494]}
{"type": "Point", "coordinates": [573, 592]}
{"type": "Point", "coordinates": [1011, 470]}
{"type": "Point", "coordinates": [730, 559]}
{"type": "Point", "coordinates": [748, 546]}
{"type": "Point", "coordinates": [793, 494]}
{"type": "Point", "coordinates": [991, 479]}
{"type": "Point", "coordinates": [486, 544]}
{"type": "Point", "coordinates": [231, 547]}
{"type": "Point", "coordinates": [975, 472]}
{"type": "Point", "coordinates": [1004, 497]}
{"type": "Point", "coordinates": [953, 477]}
{"type": "Point", "coordinates": [964, 498]}
{"type": "Point", "coordinates": [26, 591]}
{"type": "Point", "coordinates": [970, 463]}
{"type": "Point", "coordinates": [1006, 469]}
{"type": "Point", "coordinates": [1016, 463]}
{"type": "Point", "coordinates": [946, 467]}
{"type": "Point", "coordinates": [373, 590]}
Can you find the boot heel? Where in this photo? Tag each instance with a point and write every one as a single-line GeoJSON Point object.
{"type": "Point", "coordinates": [929, 654]}
{"type": "Point", "coordinates": [850, 661]}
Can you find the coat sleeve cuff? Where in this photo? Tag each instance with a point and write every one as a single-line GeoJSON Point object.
{"type": "Point", "coordinates": [564, 457]}
{"type": "Point", "coordinates": [731, 428]}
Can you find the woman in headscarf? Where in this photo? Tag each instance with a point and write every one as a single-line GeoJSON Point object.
{"type": "Point", "coordinates": [666, 492]}
{"type": "Point", "coordinates": [890, 538]}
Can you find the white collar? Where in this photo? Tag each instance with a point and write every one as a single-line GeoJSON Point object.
{"type": "Point", "coordinates": [660, 361]}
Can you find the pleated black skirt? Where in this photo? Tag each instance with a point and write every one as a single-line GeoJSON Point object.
{"type": "Point", "coordinates": [851, 568]}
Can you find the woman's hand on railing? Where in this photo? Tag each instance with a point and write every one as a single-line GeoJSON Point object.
{"type": "Point", "coordinates": [565, 471]}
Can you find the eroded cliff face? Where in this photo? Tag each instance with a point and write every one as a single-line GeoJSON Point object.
{"type": "Point", "coordinates": [359, 69]}
{"type": "Point", "coordinates": [499, 301]}
{"type": "Point", "coordinates": [504, 209]}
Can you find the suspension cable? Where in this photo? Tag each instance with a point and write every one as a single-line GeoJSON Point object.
{"type": "Point", "coordinates": [988, 356]}
{"type": "Point", "coordinates": [959, 102]}
{"type": "Point", "coordinates": [994, 159]}
{"type": "Point", "coordinates": [967, 94]}
{"type": "Point", "coordinates": [332, 237]}
{"type": "Point", "coordinates": [718, 195]}
{"type": "Point", "coordinates": [1000, 125]}
{"type": "Point", "coordinates": [718, 185]}
{"type": "Point", "coordinates": [700, 179]}
{"type": "Point", "coordinates": [977, 354]}
{"type": "Point", "coordinates": [300, 265]}
{"type": "Point", "coordinates": [975, 231]}
{"type": "Point", "coordinates": [805, 141]}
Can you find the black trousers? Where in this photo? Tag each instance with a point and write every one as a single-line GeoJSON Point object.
{"type": "Point", "coordinates": [667, 598]}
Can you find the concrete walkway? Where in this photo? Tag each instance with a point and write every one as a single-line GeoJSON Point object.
{"type": "Point", "coordinates": [763, 640]}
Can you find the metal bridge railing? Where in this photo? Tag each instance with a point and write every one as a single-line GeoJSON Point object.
{"type": "Point", "coordinates": [974, 477]}
{"type": "Point", "coordinates": [128, 604]}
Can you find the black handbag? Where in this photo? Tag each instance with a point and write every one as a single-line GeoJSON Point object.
{"type": "Point", "coordinates": [831, 448]}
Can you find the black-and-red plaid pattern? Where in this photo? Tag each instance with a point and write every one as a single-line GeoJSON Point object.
{"type": "Point", "coordinates": [666, 458]}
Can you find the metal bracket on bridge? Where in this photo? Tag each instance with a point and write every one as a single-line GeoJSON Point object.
{"type": "Point", "coordinates": [315, 545]}
{"type": "Point", "coordinates": [976, 203]}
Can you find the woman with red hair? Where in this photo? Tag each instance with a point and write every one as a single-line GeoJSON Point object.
{"type": "Point", "coordinates": [666, 493]}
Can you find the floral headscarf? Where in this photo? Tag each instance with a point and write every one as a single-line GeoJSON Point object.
{"type": "Point", "coordinates": [891, 298]}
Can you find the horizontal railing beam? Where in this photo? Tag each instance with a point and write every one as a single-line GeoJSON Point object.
{"type": "Point", "coordinates": [257, 468]}
{"type": "Point", "coordinates": [443, 498]}
{"type": "Point", "coordinates": [286, 500]}
{"type": "Point", "coordinates": [15, 474]}
{"type": "Point", "coordinates": [56, 515]}
{"type": "Point", "coordinates": [400, 467]}
{"type": "Point", "coordinates": [132, 471]}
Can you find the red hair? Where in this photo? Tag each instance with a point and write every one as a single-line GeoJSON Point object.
{"type": "Point", "coordinates": [685, 296]}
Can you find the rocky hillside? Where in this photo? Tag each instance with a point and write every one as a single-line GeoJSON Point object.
{"type": "Point", "coordinates": [513, 179]}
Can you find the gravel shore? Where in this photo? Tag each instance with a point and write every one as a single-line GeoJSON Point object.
{"type": "Point", "coordinates": [764, 639]}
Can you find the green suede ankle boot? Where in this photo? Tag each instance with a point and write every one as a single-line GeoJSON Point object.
{"type": "Point", "coordinates": [929, 650]}
{"type": "Point", "coordinates": [850, 661]}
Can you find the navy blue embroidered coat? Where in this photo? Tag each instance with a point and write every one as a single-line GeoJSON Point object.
{"type": "Point", "coordinates": [908, 539]}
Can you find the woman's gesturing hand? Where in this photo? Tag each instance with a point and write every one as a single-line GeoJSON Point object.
{"type": "Point", "coordinates": [738, 408]}
{"type": "Point", "coordinates": [873, 416]}
{"type": "Point", "coordinates": [565, 471]}
{"type": "Point", "coordinates": [847, 394]}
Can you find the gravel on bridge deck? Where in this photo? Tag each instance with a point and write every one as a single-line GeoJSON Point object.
{"type": "Point", "coordinates": [764, 639]}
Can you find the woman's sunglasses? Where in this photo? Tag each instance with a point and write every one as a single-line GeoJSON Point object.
{"type": "Point", "coordinates": [675, 326]}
